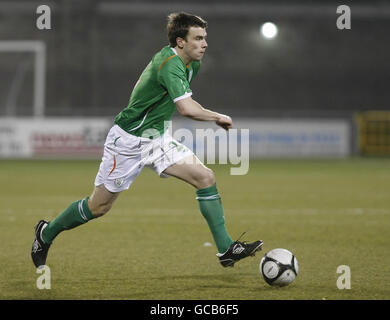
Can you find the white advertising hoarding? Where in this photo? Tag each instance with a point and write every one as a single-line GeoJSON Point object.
{"type": "Point", "coordinates": [300, 138]}
{"type": "Point", "coordinates": [81, 138]}
{"type": "Point", "coordinates": [275, 138]}
{"type": "Point", "coordinates": [56, 137]}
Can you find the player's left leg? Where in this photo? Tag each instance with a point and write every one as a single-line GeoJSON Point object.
{"type": "Point", "coordinates": [171, 158]}
{"type": "Point", "coordinates": [194, 172]}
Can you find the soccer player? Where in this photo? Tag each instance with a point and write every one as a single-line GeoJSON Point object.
{"type": "Point", "coordinates": [139, 138]}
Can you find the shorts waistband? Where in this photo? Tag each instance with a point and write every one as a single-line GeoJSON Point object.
{"type": "Point", "coordinates": [143, 139]}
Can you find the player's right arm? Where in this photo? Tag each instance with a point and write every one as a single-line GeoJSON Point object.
{"type": "Point", "coordinates": [191, 109]}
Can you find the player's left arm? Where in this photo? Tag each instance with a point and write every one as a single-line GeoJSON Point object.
{"type": "Point", "coordinates": [172, 76]}
{"type": "Point", "coordinates": [190, 108]}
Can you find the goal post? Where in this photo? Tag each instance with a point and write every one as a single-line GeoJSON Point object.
{"type": "Point", "coordinates": [38, 48]}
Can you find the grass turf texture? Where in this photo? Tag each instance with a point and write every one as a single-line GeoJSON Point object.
{"type": "Point", "coordinates": [150, 246]}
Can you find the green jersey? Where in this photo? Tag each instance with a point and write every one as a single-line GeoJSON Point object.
{"type": "Point", "coordinates": [165, 80]}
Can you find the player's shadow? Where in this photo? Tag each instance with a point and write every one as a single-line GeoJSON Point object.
{"type": "Point", "coordinates": [202, 282]}
{"type": "Point", "coordinates": [224, 278]}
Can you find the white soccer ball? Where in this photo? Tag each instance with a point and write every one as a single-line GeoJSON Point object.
{"type": "Point", "coordinates": [279, 267]}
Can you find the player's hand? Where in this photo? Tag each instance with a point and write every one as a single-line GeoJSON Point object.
{"type": "Point", "coordinates": [225, 122]}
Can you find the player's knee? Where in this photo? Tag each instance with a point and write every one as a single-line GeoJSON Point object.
{"type": "Point", "coordinates": [206, 179]}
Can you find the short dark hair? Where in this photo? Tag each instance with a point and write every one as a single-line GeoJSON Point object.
{"type": "Point", "coordinates": [179, 24]}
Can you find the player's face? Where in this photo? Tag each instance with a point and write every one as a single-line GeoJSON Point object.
{"type": "Point", "coordinates": [194, 46]}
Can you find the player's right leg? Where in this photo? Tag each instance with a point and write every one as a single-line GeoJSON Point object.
{"type": "Point", "coordinates": [76, 214]}
{"type": "Point", "coordinates": [121, 164]}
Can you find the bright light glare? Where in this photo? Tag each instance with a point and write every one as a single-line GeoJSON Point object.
{"type": "Point", "coordinates": [269, 30]}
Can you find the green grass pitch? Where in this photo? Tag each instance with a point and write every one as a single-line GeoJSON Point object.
{"type": "Point", "coordinates": [151, 245]}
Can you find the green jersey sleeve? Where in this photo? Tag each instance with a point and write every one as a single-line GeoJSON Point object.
{"type": "Point", "coordinates": [172, 76]}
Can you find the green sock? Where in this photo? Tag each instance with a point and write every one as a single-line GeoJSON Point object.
{"type": "Point", "coordinates": [76, 214]}
{"type": "Point", "coordinates": [211, 208]}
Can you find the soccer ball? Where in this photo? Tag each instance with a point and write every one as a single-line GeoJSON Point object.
{"type": "Point", "coordinates": [279, 267]}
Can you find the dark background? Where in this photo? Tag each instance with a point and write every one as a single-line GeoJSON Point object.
{"type": "Point", "coordinates": [96, 51]}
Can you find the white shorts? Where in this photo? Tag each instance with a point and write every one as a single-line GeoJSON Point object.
{"type": "Point", "coordinates": [125, 155]}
